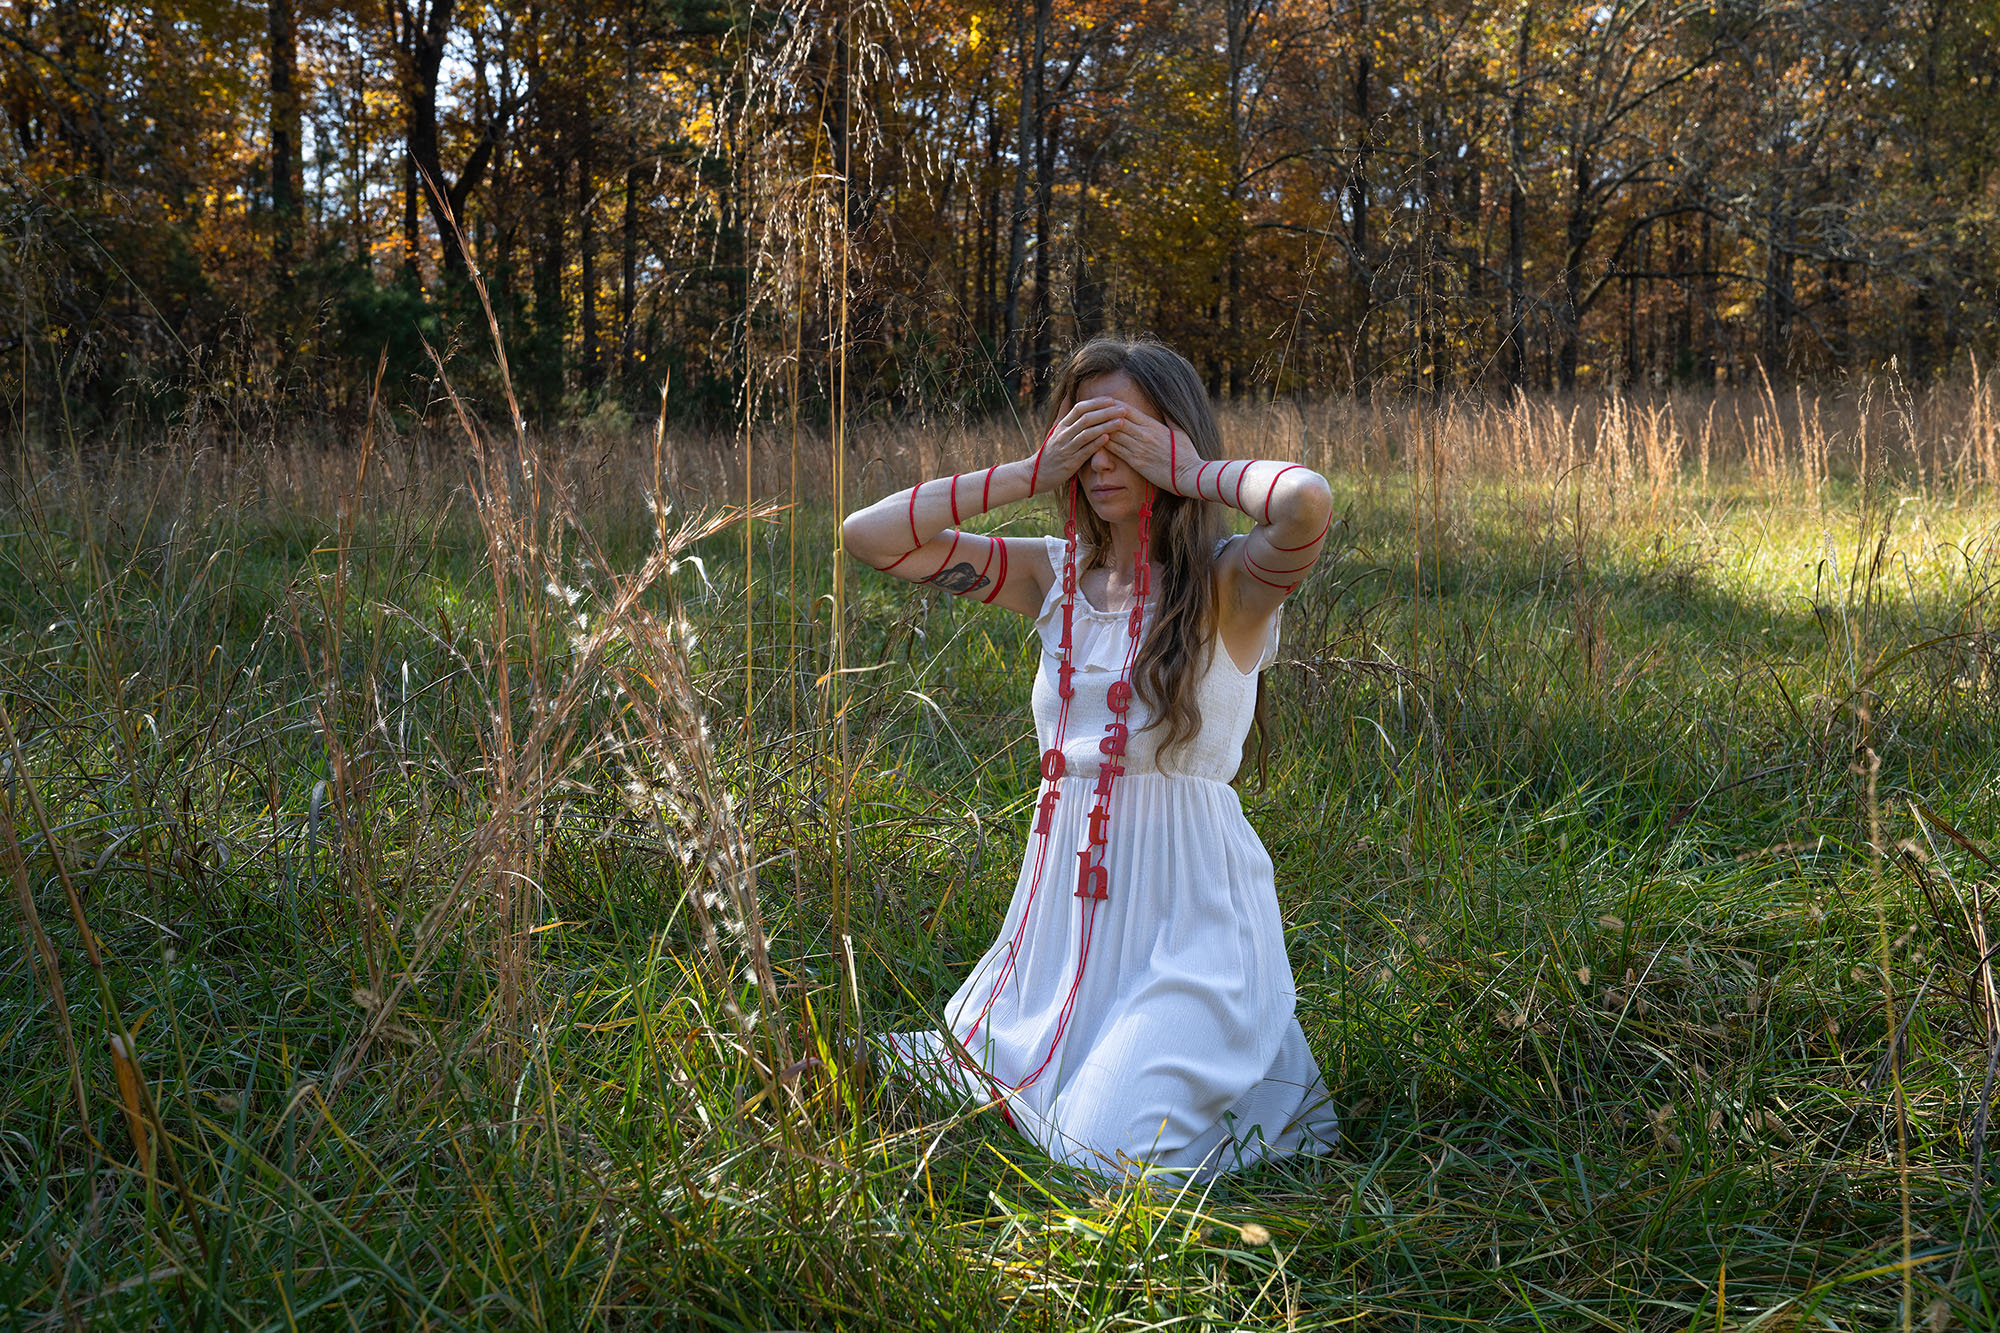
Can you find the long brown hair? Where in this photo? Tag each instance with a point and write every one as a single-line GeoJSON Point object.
{"type": "Point", "coordinates": [1185, 530]}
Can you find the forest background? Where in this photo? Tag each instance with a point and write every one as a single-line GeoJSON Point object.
{"type": "Point", "coordinates": [223, 212]}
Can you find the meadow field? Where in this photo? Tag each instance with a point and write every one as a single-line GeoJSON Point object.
{"type": "Point", "coordinates": [451, 873]}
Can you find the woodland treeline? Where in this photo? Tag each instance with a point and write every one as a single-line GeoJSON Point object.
{"type": "Point", "coordinates": [228, 214]}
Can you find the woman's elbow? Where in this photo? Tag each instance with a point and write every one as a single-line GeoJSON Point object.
{"type": "Point", "coordinates": [854, 536]}
{"type": "Point", "coordinates": [1311, 499]}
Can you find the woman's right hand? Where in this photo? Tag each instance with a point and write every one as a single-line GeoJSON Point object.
{"type": "Point", "coordinates": [1078, 434]}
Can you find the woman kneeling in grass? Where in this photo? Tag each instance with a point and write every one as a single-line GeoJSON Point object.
{"type": "Point", "coordinates": [1137, 1007]}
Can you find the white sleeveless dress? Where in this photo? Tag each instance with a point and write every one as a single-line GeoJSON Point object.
{"type": "Point", "coordinates": [1179, 1049]}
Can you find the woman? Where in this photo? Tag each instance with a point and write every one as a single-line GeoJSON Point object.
{"type": "Point", "coordinates": [1137, 1008]}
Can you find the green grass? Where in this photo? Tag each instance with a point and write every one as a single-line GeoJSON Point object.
{"type": "Point", "coordinates": [1597, 835]}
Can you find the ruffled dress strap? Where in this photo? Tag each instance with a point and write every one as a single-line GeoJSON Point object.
{"type": "Point", "coordinates": [1048, 619]}
{"type": "Point", "coordinates": [1052, 598]}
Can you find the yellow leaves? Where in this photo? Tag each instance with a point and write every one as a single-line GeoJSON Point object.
{"type": "Point", "coordinates": [973, 37]}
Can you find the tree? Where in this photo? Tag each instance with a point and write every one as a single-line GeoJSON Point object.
{"type": "Point", "coordinates": [420, 31]}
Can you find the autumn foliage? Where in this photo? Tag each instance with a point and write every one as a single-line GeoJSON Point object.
{"type": "Point", "coordinates": [223, 214]}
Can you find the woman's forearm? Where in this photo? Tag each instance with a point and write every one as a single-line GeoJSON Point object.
{"type": "Point", "coordinates": [896, 525]}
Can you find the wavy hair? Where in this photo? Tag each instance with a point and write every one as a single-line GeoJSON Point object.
{"type": "Point", "coordinates": [1185, 530]}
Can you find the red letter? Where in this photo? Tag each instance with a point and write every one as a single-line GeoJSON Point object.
{"type": "Point", "coordinates": [1063, 687]}
{"type": "Point", "coordinates": [1053, 764]}
{"type": "Point", "coordinates": [1100, 824]}
{"type": "Point", "coordinates": [1119, 696]}
{"type": "Point", "coordinates": [1114, 739]}
{"type": "Point", "coordinates": [1091, 881]}
{"type": "Point", "coordinates": [1048, 812]}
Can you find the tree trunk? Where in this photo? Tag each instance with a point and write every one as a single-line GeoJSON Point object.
{"type": "Point", "coordinates": [1086, 286]}
{"type": "Point", "coordinates": [1430, 368]}
{"type": "Point", "coordinates": [628, 223]}
{"type": "Point", "coordinates": [1089, 294]}
{"type": "Point", "coordinates": [1045, 171]}
{"type": "Point", "coordinates": [989, 224]}
{"type": "Point", "coordinates": [412, 244]}
{"type": "Point", "coordinates": [1680, 328]}
{"type": "Point", "coordinates": [1631, 329]}
{"type": "Point", "coordinates": [1576, 238]}
{"type": "Point", "coordinates": [1238, 23]}
{"type": "Point", "coordinates": [283, 58]}
{"type": "Point", "coordinates": [1358, 263]}
{"type": "Point", "coordinates": [1029, 49]}
{"type": "Point", "coordinates": [1517, 208]}
{"type": "Point", "coordinates": [424, 55]}
{"type": "Point", "coordinates": [1778, 301]}
{"type": "Point", "coordinates": [628, 273]}
{"type": "Point", "coordinates": [590, 363]}
{"type": "Point", "coordinates": [421, 37]}
{"type": "Point", "coordinates": [551, 315]}
{"type": "Point", "coordinates": [1704, 309]}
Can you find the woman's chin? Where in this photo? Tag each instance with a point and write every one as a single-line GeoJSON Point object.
{"type": "Point", "coordinates": [1114, 508]}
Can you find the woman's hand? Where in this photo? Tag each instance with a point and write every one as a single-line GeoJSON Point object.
{"type": "Point", "coordinates": [1156, 451]}
{"type": "Point", "coordinates": [1079, 433]}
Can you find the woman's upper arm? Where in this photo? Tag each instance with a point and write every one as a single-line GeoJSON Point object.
{"type": "Point", "coordinates": [1259, 569]}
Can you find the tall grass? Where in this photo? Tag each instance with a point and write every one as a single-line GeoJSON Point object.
{"type": "Point", "coordinates": [444, 900]}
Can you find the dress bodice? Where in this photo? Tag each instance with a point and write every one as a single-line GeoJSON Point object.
{"type": "Point", "coordinates": [1226, 695]}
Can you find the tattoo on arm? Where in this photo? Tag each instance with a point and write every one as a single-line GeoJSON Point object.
{"type": "Point", "coordinates": [959, 579]}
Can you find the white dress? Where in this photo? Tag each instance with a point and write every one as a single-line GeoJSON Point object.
{"type": "Point", "coordinates": [1180, 1049]}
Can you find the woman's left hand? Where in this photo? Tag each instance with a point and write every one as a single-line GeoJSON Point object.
{"type": "Point", "coordinates": [1158, 452]}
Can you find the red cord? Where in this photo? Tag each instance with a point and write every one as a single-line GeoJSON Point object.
{"type": "Point", "coordinates": [1090, 922]}
{"type": "Point", "coordinates": [1069, 1001]}
{"type": "Point", "coordinates": [1042, 837]}
{"type": "Point", "coordinates": [955, 535]}
{"type": "Point", "coordinates": [1238, 502]}
{"type": "Point", "coordinates": [1314, 542]}
{"type": "Point", "coordinates": [1198, 474]}
{"type": "Point", "coordinates": [954, 499]}
{"type": "Point", "coordinates": [1289, 467]}
{"type": "Point", "coordinates": [914, 491]}
{"type": "Point", "coordinates": [1001, 581]}
{"type": "Point", "coordinates": [986, 492]}
{"type": "Point", "coordinates": [1140, 561]}
{"type": "Point", "coordinates": [1297, 569]}
{"type": "Point", "coordinates": [1036, 471]}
